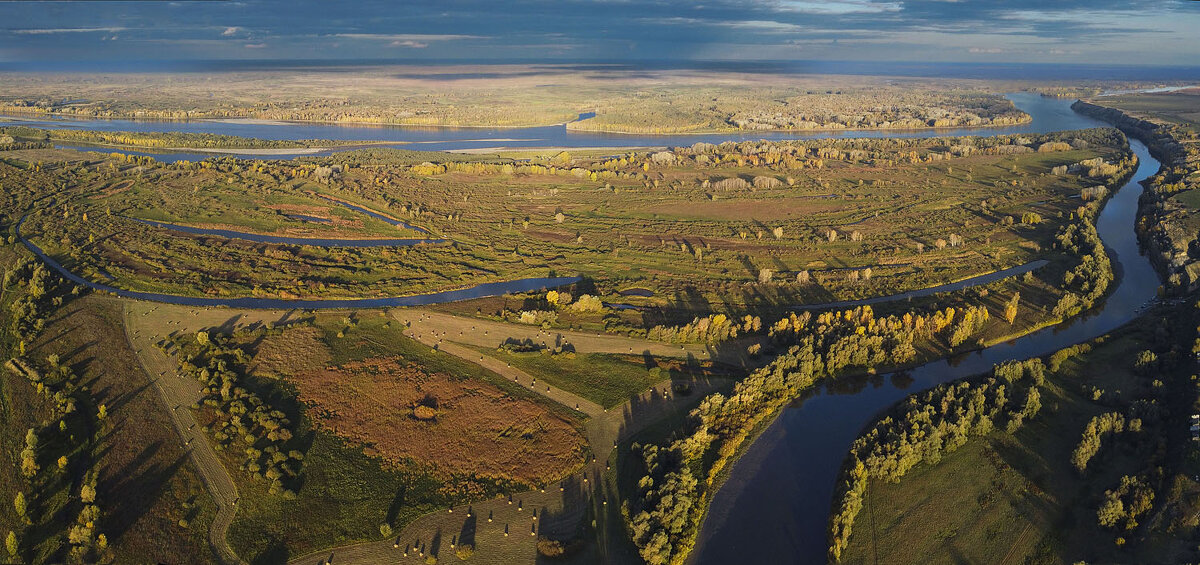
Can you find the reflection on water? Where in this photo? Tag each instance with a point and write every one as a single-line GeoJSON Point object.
{"type": "Point", "coordinates": [1049, 115]}
{"type": "Point", "coordinates": [775, 507]}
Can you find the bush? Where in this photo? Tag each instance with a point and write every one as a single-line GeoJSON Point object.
{"type": "Point", "coordinates": [553, 548]}
{"type": "Point", "coordinates": [423, 412]}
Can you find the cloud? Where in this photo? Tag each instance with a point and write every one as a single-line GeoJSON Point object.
{"type": "Point", "coordinates": [838, 6]}
{"type": "Point", "coordinates": [51, 31]}
{"type": "Point", "coordinates": [621, 30]}
{"type": "Point", "coordinates": [255, 45]}
{"type": "Point", "coordinates": [402, 37]}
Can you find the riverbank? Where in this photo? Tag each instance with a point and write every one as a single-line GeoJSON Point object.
{"type": "Point", "coordinates": [784, 483]}
{"type": "Point", "coordinates": [1167, 232]}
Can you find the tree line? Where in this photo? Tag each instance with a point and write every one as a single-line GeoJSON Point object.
{"type": "Point", "coordinates": [925, 426]}
{"type": "Point", "coordinates": [240, 417]}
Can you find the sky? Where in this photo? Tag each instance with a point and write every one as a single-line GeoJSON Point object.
{"type": "Point", "coordinates": [1129, 32]}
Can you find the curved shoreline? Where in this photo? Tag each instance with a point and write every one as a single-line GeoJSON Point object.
{"type": "Point", "coordinates": [927, 291]}
{"type": "Point", "coordinates": [478, 291]}
{"type": "Point", "coordinates": [794, 452]}
{"type": "Point", "coordinates": [9, 113]}
{"type": "Point", "coordinates": [452, 139]}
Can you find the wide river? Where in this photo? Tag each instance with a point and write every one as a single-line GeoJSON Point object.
{"type": "Point", "coordinates": [1048, 115]}
{"type": "Point", "coordinates": [775, 506]}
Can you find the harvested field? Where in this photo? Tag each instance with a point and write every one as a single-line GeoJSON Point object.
{"type": "Point", "coordinates": [475, 429]}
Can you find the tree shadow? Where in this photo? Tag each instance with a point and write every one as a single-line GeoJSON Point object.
{"type": "Point", "coordinates": [276, 552]}
{"type": "Point", "coordinates": [466, 536]}
{"type": "Point", "coordinates": [397, 504]}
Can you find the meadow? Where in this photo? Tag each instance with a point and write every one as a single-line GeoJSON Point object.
{"type": "Point", "coordinates": [736, 228]}
{"type": "Point", "coordinates": [1019, 497]}
{"type": "Point", "coordinates": [369, 459]}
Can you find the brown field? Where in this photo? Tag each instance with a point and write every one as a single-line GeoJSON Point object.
{"type": "Point", "coordinates": [147, 482]}
{"type": "Point", "coordinates": [477, 430]}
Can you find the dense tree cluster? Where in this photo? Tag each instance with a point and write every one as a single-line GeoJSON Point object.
{"type": "Point", "coordinates": [60, 454]}
{"type": "Point", "coordinates": [925, 426]}
{"type": "Point", "coordinates": [664, 514]}
{"type": "Point", "coordinates": [150, 139]}
{"type": "Point", "coordinates": [714, 328]}
{"type": "Point", "coordinates": [1087, 282]}
{"type": "Point", "coordinates": [242, 417]}
{"type": "Point", "coordinates": [1098, 429]}
{"type": "Point", "coordinates": [1122, 506]}
{"type": "Point", "coordinates": [27, 314]}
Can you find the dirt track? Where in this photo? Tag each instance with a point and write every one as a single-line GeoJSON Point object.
{"type": "Point", "coordinates": [560, 507]}
{"type": "Point", "coordinates": [178, 394]}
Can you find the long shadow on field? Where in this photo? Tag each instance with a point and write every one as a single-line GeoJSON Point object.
{"type": "Point", "coordinates": [133, 490]}
{"type": "Point", "coordinates": [466, 536]}
{"type": "Point", "coordinates": [435, 544]}
{"type": "Point", "coordinates": [397, 504]}
{"type": "Point", "coordinates": [275, 552]}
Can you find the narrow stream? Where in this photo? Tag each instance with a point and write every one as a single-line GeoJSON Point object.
{"type": "Point", "coordinates": [775, 507]}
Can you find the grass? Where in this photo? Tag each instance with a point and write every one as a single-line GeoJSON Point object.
{"type": "Point", "coordinates": [510, 96]}
{"type": "Point", "coordinates": [608, 380]}
{"type": "Point", "coordinates": [375, 335]}
{"type": "Point", "coordinates": [345, 497]}
{"type": "Point", "coordinates": [147, 483]}
{"type": "Point", "coordinates": [696, 247]}
{"type": "Point", "coordinates": [1012, 498]}
{"type": "Point", "coordinates": [1190, 198]}
{"type": "Point", "coordinates": [347, 494]}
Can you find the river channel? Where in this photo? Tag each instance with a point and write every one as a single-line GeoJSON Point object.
{"type": "Point", "coordinates": [775, 507]}
{"type": "Point", "coordinates": [1048, 115]}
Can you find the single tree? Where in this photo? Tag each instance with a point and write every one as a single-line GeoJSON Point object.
{"type": "Point", "coordinates": [1010, 308]}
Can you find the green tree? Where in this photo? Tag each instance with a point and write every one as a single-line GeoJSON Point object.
{"type": "Point", "coordinates": [1010, 308]}
{"type": "Point", "coordinates": [19, 504]}
{"type": "Point", "coordinates": [10, 542]}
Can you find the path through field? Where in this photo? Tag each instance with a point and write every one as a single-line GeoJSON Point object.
{"type": "Point", "coordinates": [179, 393]}
{"type": "Point", "coordinates": [511, 534]}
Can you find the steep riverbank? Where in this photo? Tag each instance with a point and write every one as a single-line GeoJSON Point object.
{"type": "Point", "coordinates": [1165, 229]}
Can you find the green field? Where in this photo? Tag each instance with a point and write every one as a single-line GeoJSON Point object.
{"type": "Point", "coordinates": [608, 380]}
{"type": "Point", "coordinates": [1016, 498]}
{"type": "Point", "coordinates": [726, 228]}
{"type": "Point", "coordinates": [346, 493]}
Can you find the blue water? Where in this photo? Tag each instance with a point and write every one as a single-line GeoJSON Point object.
{"type": "Point", "coordinates": [1050, 115]}
{"type": "Point", "coordinates": [478, 291]}
{"type": "Point", "coordinates": [376, 215]}
{"type": "Point", "coordinates": [775, 507]}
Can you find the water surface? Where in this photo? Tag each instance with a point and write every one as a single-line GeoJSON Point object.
{"type": "Point", "coordinates": [775, 507]}
{"type": "Point", "coordinates": [1048, 115]}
